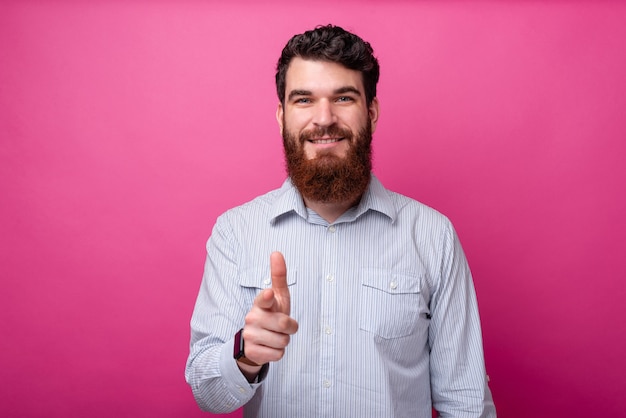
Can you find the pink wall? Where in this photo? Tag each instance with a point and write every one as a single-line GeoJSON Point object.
{"type": "Point", "coordinates": [127, 127]}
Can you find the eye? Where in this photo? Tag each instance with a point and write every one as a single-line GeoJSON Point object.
{"type": "Point", "coordinates": [302, 100]}
{"type": "Point", "coordinates": [345, 99]}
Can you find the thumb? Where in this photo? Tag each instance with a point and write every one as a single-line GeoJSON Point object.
{"type": "Point", "coordinates": [278, 270]}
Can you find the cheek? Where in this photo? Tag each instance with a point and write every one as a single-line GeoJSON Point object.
{"type": "Point", "coordinates": [296, 121]}
{"type": "Point", "coordinates": [354, 119]}
{"type": "Point", "coordinates": [360, 123]}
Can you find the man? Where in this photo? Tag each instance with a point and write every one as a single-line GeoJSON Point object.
{"type": "Point", "coordinates": [332, 296]}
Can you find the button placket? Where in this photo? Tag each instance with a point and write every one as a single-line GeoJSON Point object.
{"type": "Point", "coordinates": [327, 327]}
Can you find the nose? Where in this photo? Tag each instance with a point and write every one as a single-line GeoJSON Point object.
{"type": "Point", "coordinates": [324, 114]}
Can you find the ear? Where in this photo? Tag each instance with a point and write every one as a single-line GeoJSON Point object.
{"type": "Point", "coordinates": [373, 112]}
{"type": "Point", "coordinates": [279, 117]}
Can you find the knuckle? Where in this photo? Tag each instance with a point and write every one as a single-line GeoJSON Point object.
{"type": "Point", "coordinates": [279, 355]}
{"type": "Point", "coordinates": [250, 319]}
{"type": "Point", "coordinates": [284, 322]}
{"type": "Point", "coordinates": [245, 334]}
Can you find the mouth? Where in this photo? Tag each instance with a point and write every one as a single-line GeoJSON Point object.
{"type": "Point", "coordinates": [324, 141]}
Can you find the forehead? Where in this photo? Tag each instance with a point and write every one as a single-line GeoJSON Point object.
{"type": "Point", "coordinates": [318, 76]}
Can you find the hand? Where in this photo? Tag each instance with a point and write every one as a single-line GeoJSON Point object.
{"type": "Point", "coordinates": [268, 325]}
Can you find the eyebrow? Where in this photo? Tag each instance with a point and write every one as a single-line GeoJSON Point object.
{"type": "Point", "coordinates": [341, 90]}
{"type": "Point", "coordinates": [294, 93]}
{"type": "Point", "coordinates": [348, 89]}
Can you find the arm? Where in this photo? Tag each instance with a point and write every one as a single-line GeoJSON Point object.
{"type": "Point", "coordinates": [220, 308]}
{"type": "Point", "coordinates": [219, 383]}
{"type": "Point", "coordinates": [458, 378]}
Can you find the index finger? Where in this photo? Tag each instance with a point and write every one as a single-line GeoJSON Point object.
{"type": "Point", "coordinates": [278, 270]}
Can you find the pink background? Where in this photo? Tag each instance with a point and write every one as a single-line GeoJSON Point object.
{"type": "Point", "coordinates": [127, 127]}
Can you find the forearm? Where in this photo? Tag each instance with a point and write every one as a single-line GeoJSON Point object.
{"type": "Point", "coordinates": [458, 377]}
{"type": "Point", "coordinates": [211, 371]}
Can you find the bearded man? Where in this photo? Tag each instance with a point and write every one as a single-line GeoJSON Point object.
{"type": "Point", "coordinates": [333, 296]}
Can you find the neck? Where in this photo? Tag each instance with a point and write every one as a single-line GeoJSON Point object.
{"type": "Point", "coordinates": [330, 211]}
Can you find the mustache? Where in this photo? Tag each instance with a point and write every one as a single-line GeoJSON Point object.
{"type": "Point", "coordinates": [331, 131]}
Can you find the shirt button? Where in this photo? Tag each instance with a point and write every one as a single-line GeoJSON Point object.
{"type": "Point", "coordinates": [267, 281]}
{"type": "Point", "coordinates": [241, 389]}
{"type": "Point", "coordinates": [328, 330]}
{"type": "Point", "coordinates": [332, 228]}
{"type": "Point", "coordinates": [393, 285]}
{"type": "Point", "coordinates": [326, 383]}
{"type": "Point", "coordinates": [330, 278]}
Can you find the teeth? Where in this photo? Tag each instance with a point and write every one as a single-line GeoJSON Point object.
{"type": "Point", "coordinates": [325, 141]}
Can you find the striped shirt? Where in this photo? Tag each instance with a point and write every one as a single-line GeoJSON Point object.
{"type": "Point", "coordinates": [384, 299]}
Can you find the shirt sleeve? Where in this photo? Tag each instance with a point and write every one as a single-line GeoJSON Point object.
{"type": "Point", "coordinates": [458, 379]}
{"type": "Point", "coordinates": [217, 383]}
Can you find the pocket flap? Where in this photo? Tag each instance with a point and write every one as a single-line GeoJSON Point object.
{"type": "Point", "coordinates": [260, 277]}
{"type": "Point", "coordinates": [390, 281]}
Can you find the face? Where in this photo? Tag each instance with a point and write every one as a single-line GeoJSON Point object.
{"type": "Point", "coordinates": [327, 127]}
{"type": "Point", "coordinates": [323, 100]}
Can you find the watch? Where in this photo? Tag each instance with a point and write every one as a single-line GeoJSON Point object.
{"type": "Point", "coordinates": [238, 350]}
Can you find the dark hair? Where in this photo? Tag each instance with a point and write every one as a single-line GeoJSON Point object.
{"type": "Point", "coordinates": [334, 44]}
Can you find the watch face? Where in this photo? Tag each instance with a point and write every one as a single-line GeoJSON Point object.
{"type": "Point", "coordinates": [238, 350]}
{"type": "Point", "coordinates": [238, 346]}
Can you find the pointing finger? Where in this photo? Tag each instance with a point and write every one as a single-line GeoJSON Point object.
{"type": "Point", "coordinates": [278, 270]}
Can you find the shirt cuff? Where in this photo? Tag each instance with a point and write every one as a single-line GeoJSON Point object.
{"type": "Point", "coordinates": [233, 377]}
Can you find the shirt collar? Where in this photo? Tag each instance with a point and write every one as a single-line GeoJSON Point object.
{"type": "Point", "coordinates": [375, 198]}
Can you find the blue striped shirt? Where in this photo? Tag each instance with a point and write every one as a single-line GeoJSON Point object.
{"type": "Point", "coordinates": [387, 313]}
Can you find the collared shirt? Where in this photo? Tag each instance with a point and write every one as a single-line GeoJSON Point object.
{"type": "Point", "coordinates": [384, 299]}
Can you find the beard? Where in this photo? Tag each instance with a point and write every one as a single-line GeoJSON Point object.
{"type": "Point", "coordinates": [328, 178]}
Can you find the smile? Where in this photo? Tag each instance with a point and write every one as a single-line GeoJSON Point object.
{"type": "Point", "coordinates": [325, 141]}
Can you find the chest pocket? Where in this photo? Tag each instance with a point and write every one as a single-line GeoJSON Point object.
{"type": "Point", "coordinates": [390, 303]}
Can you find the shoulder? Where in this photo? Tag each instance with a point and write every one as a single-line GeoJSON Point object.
{"type": "Point", "coordinates": [264, 208]}
{"type": "Point", "coordinates": [258, 206]}
{"type": "Point", "coordinates": [409, 209]}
